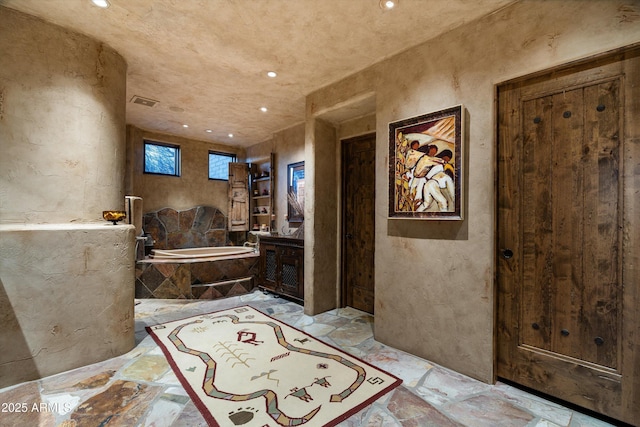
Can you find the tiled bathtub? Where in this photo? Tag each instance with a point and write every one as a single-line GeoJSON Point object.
{"type": "Point", "coordinates": [196, 278]}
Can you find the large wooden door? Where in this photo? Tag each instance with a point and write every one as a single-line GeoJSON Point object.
{"type": "Point", "coordinates": [358, 222]}
{"type": "Point", "coordinates": [568, 234]}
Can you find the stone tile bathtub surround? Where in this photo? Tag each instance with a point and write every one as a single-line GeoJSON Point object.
{"type": "Point", "coordinates": [197, 227]}
{"type": "Point", "coordinates": [140, 389]}
{"type": "Point", "coordinates": [193, 279]}
{"type": "Point", "coordinates": [201, 226]}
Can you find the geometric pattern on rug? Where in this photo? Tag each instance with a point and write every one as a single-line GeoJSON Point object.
{"type": "Point", "coordinates": [242, 367]}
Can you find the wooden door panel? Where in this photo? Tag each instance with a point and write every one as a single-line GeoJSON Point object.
{"type": "Point", "coordinates": [362, 299]}
{"type": "Point", "coordinates": [601, 320]}
{"type": "Point", "coordinates": [567, 212]}
{"type": "Point", "coordinates": [537, 225]}
{"type": "Point", "coordinates": [359, 223]}
{"type": "Point", "coordinates": [566, 198]}
{"type": "Point", "coordinates": [569, 379]}
{"type": "Point", "coordinates": [570, 254]}
{"type": "Point", "coordinates": [238, 197]}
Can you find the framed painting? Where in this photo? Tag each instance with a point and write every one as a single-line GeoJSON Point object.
{"type": "Point", "coordinates": [425, 166]}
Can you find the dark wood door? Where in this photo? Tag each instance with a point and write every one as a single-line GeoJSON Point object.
{"type": "Point", "coordinates": [358, 222]}
{"type": "Point", "coordinates": [568, 288]}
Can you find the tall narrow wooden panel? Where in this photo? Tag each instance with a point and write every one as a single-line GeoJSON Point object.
{"type": "Point", "coordinates": [238, 197]}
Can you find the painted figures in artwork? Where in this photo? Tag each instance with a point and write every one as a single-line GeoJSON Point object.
{"type": "Point", "coordinates": [425, 168]}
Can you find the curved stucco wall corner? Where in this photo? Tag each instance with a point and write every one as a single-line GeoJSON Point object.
{"type": "Point", "coordinates": [67, 276]}
{"type": "Point", "coordinates": [62, 123]}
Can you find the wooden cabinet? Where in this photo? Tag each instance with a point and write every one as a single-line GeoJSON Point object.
{"type": "Point", "coordinates": [262, 185]}
{"type": "Point", "coordinates": [282, 266]}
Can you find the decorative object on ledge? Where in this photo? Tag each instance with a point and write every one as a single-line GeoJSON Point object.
{"type": "Point", "coordinates": [114, 216]}
{"type": "Point", "coordinates": [425, 166]}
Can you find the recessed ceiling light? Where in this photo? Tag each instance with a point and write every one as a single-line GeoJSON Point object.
{"type": "Point", "coordinates": [185, 126]}
{"type": "Point", "coordinates": [272, 74]}
{"type": "Point", "coordinates": [388, 4]}
{"type": "Point", "coordinates": [101, 3]}
{"type": "Point", "coordinates": [208, 131]}
{"type": "Point", "coordinates": [263, 109]}
{"type": "Point", "coordinates": [230, 135]}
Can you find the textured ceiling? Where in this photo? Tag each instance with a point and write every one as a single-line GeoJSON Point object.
{"type": "Point", "coordinates": [205, 61]}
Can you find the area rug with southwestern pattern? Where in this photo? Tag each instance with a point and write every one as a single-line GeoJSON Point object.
{"type": "Point", "coordinates": [242, 367]}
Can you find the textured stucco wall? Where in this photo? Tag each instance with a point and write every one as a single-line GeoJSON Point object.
{"type": "Point", "coordinates": [289, 145]}
{"type": "Point", "coordinates": [62, 133]}
{"type": "Point", "coordinates": [356, 127]}
{"type": "Point", "coordinates": [321, 218]}
{"type": "Point", "coordinates": [434, 280]}
{"type": "Point", "coordinates": [192, 188]}
{"type": "Point", "coordinates": [66, 297]}
{"type": "Point", "coordinates": [66, 275]}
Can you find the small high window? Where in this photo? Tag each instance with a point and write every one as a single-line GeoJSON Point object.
{"type": "Point", "coordinates": [161, 159]}
{"type": "Point", "coordinates": [219, 165]}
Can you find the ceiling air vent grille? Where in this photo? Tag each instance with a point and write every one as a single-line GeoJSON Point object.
{"type": "Point", "coordinates": [143, 101]}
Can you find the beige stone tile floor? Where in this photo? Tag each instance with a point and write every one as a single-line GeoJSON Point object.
{"type": "Point", "coordinates": [140, 389]}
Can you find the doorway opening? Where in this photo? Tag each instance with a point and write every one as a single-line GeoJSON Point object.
{"type": "Point", "coordinates": [358, 222]}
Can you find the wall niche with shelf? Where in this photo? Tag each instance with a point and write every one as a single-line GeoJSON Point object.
{"type": "Point", "coordinates": [262, 188]}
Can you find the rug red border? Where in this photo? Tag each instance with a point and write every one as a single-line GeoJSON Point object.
{"type": "Point", "coordinates": [207, 414]}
